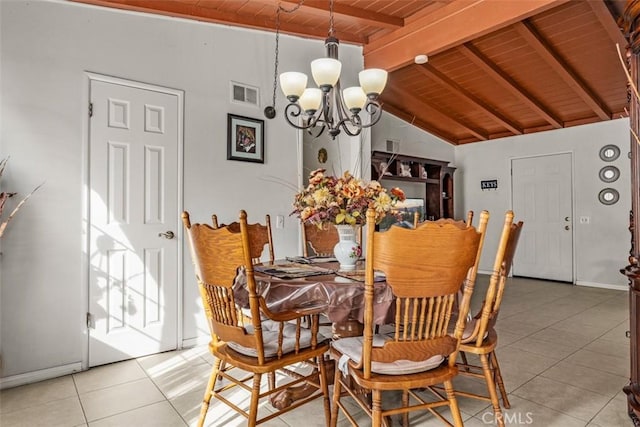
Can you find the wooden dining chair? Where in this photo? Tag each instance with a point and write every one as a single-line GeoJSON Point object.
{"type": "Point", "coordinates": [259, 237]}
{"type": "Point", "coordinates": [480, 336]}
{"type": "Point", "coordinates": [320, 240]}
{"type": "Point", "coordinates": [269, 343]}
{"type": "Point", "coordinates": [469, 220]}
{"type": "Point", "coordinates": [416, 219]}
{"type": "Point", "coordinates": [424, 267]}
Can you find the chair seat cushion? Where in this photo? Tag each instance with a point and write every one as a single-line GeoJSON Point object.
{"type": "Point", "coordinates": [270, 331]}
{"type": "Point", "coordinates": [351, 348]}
{"type": "Point", "coordinates": [470, 328]}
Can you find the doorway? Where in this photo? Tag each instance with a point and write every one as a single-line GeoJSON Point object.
{"type": "Point", "coordinates": [134, 193]}
{"type": "Point", "coordinates": [542, 194]}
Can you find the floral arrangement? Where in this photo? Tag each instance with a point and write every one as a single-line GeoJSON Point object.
{"type": "Point", "coordinates": [343, 200]}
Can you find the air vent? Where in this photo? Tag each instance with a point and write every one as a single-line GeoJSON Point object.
{"type": "Point", "coordinates": [393, 146]}
{"type": "Point", "coordinates": [244, 94]}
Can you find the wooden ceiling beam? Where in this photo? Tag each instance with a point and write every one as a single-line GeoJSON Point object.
{"type": "Point", "coordinates": [414, 121]}
{"type": "Point", "coordinates": [405, 95]}
{"type": "Point", "coordinates": [527, 31]}
{"type": "Point", "coordinates": [608, 22]}
{"type": "Point", "coordinates": [366, 17]}
{"type": "Point", "coordinates": [204, 14]}
{"type": "Point", "coordinates": [508, 83]}
{"type": "Point", "coordinates": [432, 73]}
{"type": "Point", "coordinates": [454, 24]}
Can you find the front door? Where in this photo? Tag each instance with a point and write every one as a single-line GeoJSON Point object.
{"type": "Point", "coordinates": [542, 198]}
{"type": "Point", "coordinates": [133, 184]}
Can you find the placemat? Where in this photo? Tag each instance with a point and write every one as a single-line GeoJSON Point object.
{"type": "Point", "coordinates": [292, 270]}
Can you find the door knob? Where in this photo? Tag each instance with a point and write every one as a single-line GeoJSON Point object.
{"type": "Point", "coordinates": [566, 227]}
{"type": "Point", "coordinates": [167, 235]}
{"type": "Point", "coordinates": [566, 218]}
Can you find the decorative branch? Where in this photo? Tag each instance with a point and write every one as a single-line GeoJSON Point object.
{"type": "Point", "coordinates": [4, 196]}
{"type": "Point", "coordinates": [3, 226]}
{"type": "Point", "coordinates": [626, 72]}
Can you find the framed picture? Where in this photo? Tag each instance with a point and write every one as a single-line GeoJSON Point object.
{"type": "Point", "coordinates": [245, 139]}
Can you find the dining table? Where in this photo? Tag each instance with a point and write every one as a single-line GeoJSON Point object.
{"type": "Point", "coordinates": [286, 285]}
{"type": "Point", "coordinates": [307, 282]}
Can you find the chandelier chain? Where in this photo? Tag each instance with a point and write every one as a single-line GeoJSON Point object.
{"type": "Point", "coordinates": [277, 49]}
{"type": "Point", "coordinates": [293, 9]}
{"type": "Point", "coordinates": [330, 18]}
{"type": "Point", "coordinates": [275, 67]}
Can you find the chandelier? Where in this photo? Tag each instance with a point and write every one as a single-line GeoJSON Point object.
{"type": "Point", "coordinates": [327, 107]}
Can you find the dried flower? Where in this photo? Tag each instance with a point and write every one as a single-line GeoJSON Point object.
{"type": "Point", "coordinates": [342, 200]}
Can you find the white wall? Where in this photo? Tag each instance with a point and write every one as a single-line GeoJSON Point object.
{"type": "Point", "coordinates": [46, 47]}
{"type": "Point", "coordinates": [412, 141]}
{"type": "Point", "coordinates": [602, 246]}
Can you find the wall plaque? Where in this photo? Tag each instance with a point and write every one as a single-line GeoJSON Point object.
{"type": "Point", "coordinates": [491, 184]}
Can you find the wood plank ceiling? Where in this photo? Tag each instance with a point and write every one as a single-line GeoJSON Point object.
{"type": "Point", "coordinates": [496, 68]}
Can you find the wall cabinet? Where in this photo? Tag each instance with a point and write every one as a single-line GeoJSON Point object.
{"type": "Point", "coordinates": [436, 176]}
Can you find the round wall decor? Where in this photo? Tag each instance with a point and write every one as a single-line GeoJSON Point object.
{"type": "Point", "coordinates": [609, 174]}
{"type": "Point", "coordinates": [609, 152]}
{"type": "Point", "coordinates": [608, 196]}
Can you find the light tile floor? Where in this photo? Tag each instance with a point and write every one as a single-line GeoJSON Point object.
{"type": "Point", "coordinates": [563, 354]}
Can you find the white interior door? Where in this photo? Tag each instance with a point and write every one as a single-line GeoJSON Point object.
{"type": "Point", "coordinates": [542, 198]}
{"type": "Point", "coordinates": [133, 179]}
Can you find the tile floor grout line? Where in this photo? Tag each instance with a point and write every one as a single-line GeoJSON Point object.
{"type": "Point", "coordinates": [84, 413]}
{"type": "Point", "coordinates": [548, 407]}
{"type": "Point", "coordinates": [166, 398]}
{"type": "Point", "coordinates": [124, 412]}
{"type": "Point", "coordinates": [602, 409]}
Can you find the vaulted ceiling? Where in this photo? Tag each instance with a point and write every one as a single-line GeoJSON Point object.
{"type": "Point", "coordinates": [496, 67]}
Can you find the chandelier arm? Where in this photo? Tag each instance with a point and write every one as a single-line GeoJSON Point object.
{"type": "Point", "coordinates": [320, 132]}
{"type": "Point", "coordinates": [346, 130]}
{"type": "Point", "coordinates": [327, 109]}
{"type": "Point", "coordinates": [343, 116]}
{"type": "Point", "coordinates": [355, 121]}
{"type": "Point", "coordinates": [375, 113]}
{"type": "Point", "coordinates": [339, 103]}
{"type": "Point", "coordinates": [294, 110]}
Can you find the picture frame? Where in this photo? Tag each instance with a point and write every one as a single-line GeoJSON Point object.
{"type": "Point", "coordinates": [245, 139]}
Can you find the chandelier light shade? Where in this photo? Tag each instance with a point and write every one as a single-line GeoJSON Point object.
{"type": "Point", "coordinates": [293, 83]}
{"type": "Point", "coordinates": [310, 100]}
{"type": "Point", "coordinates": [327, 106]}
{"type": "Point", "coordinates": [354, 98]}
{"type": "Point", "coordinates": [326, 72]}
{"type": "Point", "coordinates": [373, 81]}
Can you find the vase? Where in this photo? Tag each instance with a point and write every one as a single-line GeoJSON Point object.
{"type": "Point", "coordinates": [347, 251]}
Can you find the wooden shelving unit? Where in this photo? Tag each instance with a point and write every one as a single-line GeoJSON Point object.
{"type": "Point", "coordinates": [436, 176]}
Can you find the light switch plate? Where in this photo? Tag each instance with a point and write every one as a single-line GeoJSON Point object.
{"type": "Point", "coordinates": [280, 221]}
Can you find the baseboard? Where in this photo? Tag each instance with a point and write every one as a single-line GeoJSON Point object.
{"type": "Point", "coordinates": [194, 342]}
{"type": "Point", "coordinates": [582, 283]}
{"type": "Point", "coordinates": [41, 375]}
{"type": "Point", "coordinates": [602, 285]}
